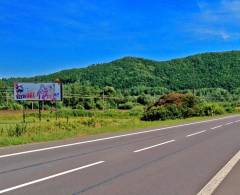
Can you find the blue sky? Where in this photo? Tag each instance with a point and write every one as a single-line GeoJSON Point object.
{"type": "Point", "coordinates": [40, 37]}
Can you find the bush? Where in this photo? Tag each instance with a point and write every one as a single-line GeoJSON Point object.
{"type": "Point", "coordinates": [185, 100]}
{"type": "Point", "coordinates": [110, 104]}
{"type": "Point", "coordinates": [190, 101]}
{"type": "Point", "coordinates": [144, 99]}
{"type": "Point", "coordinates": [126, 106]}
{"type": "Point", "coordinates": [209, 109]}
{"type": "Point", "coordinates": [100, 104]}
{"type": "Point", "coordinates": [79, 106]}
{"type": "Point", "coordinates": [173, 106]}
{"type": "Point", "coordinates": [157, 113]}
{"type": "Point", "coordinates": [59, 105]}
{"type": "Point", "coordinates": [136, 111]}
{"type": "Point", "coordinates": [89, 104]}
{"type": "Point", "coordinates": [4, 107]}
{"type": "Point", "coordinates": [16, 106]}
{"type": "Point", "coordinates": [108, 91]}
{"type": "Point", "coordinates": [169, 112]}
{"type": "Point", "coordinates": [75, 113]}
{"type": "Point", "coordinates": [47, 107]}
{"type": "Point", "coordinates": [229, 107]}
{"type": "Point", "coordinates": [64, 112]}
{"type": "Point", "coordinates": [176, 111]}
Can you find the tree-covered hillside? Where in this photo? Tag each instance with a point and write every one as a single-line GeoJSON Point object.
{"type": "Point", "coordinates": [208, 70]}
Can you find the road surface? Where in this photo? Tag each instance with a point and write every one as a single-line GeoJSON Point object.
{"type": "Point", "coordinates": [176, 160]}
{"type": "Point", "coordinates": [230, 185]}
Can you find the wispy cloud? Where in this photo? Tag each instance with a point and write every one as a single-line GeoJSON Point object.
{"type": "Point", "coordinates": [218, 19]}
{"type": "Point", "coordinates": [223, 10]}
{"type": "Point", "coordinates": [216, 33]}
{"type": "Point", "coordinates": [231, 7]}
{"type": "Point", "coordinates": [213, 33]}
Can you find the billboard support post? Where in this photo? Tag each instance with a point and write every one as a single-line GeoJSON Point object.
{"type": "Point", "coordinates": [39, 111]}
{"type": "Point", "coordinates": [56, 114]}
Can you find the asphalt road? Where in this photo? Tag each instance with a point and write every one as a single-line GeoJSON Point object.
{"type": "Point", "coordinates": [177, 160]}
{"type": "Point", "coordinates": [230, 184]}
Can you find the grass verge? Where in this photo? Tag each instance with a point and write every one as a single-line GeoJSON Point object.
{"type": "Point", "coordinates": [14, 132]}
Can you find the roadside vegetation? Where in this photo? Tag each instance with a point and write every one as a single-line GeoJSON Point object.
{"type": "Point", "coordinates": [175, 105]}
{"type": "Point", "coordinates": [126, 94]}
{"type": "Point", "coordinates": [60, 122]}
{"type": "Point", "coordinates": [72, 124]}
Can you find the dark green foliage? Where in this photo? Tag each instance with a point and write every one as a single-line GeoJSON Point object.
{"type": "Point", "coordinates": [16, 106]}
{"type": "Point", "coordinates": [209, 70]}
{"type": "Point", "coordinates": [145, 99]}
{"type": "Point", "coordinates": [215, 94]}
{"type": "Point", "coordinates": [73, 113]}
{"type": "Point", "coordinates": [230, 107]}
{"type": "Point", "coordinates": [208, 109]}
{"type": "Point", "coordinates": [108, 91]}
{"type": "Point", "coordinates": [174, 106]}
{"type": "Point", "coordinates": [140, 90]}
{"type": "Point", "coordinates": [89, 104]}
{"type": "Point", "coordinates": [213, 77]}
{"type": "Point", "coordinates": [136, 111]}
{"type": "Point", "coordinates": [4, 107]}
{"type": "Point", "coordinates": [126, 106]}
{"type": "Point", "coordinates": [100, 104]}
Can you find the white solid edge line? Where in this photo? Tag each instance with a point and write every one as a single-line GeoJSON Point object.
{"type": "Point", "coordinates": [49, 177]}
{"type": "Point", "coordinates": [230, 123]}
{"type": "Point", "coordinates": [113, 137]}
{"type": "Point", "coordinates": [216, 127]}
{"type": "Point", "coordinates": [213, 184]}
{"type": "Point", "coordinates": [147, 148]}
{"type": "Point", "coordinates": [197, 133]}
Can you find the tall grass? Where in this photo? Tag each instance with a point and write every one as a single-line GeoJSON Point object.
{"type": "Point", "coordinates": [70, 123]}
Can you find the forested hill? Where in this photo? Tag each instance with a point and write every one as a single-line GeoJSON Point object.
{"type": "Point", "coordinates": [208, 70]}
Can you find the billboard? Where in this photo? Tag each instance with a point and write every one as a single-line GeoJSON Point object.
{"type": "Point", "coordinates": [37, 91]}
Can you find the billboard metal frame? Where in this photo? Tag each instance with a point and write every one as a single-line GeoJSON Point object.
{"type": "Point", "coordinates": [35, 90]}
{"type": "Point", "coordinates": [24, 91]}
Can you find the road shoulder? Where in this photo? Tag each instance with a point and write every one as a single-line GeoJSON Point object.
{"type": "Point", "coordinates": [225, 180]}
{"type": "Point", "coordinates": [231, 184]}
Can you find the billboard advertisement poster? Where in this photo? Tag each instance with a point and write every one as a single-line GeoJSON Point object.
{"type": "Point", "coordinates": [37, 91]}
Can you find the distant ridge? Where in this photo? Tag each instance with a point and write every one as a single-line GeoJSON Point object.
{"type": "Point", "coordinates": [207, 70]}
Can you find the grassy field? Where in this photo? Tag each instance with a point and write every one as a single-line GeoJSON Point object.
{"type": "Point", "coordinates": [68, 124]}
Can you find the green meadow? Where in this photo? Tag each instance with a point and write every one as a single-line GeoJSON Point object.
{"type": "Point", "coordinates": [67, 123]}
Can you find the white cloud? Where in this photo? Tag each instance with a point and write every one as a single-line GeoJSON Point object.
{"type": "Point", "coordinates": [218, 19]}
{"type": "Point", "coordinates": [223, 10]}
{"type": "Point", "coordinates": [206, 33]}
{"type": "Point", "coordinates": [231, 7]}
